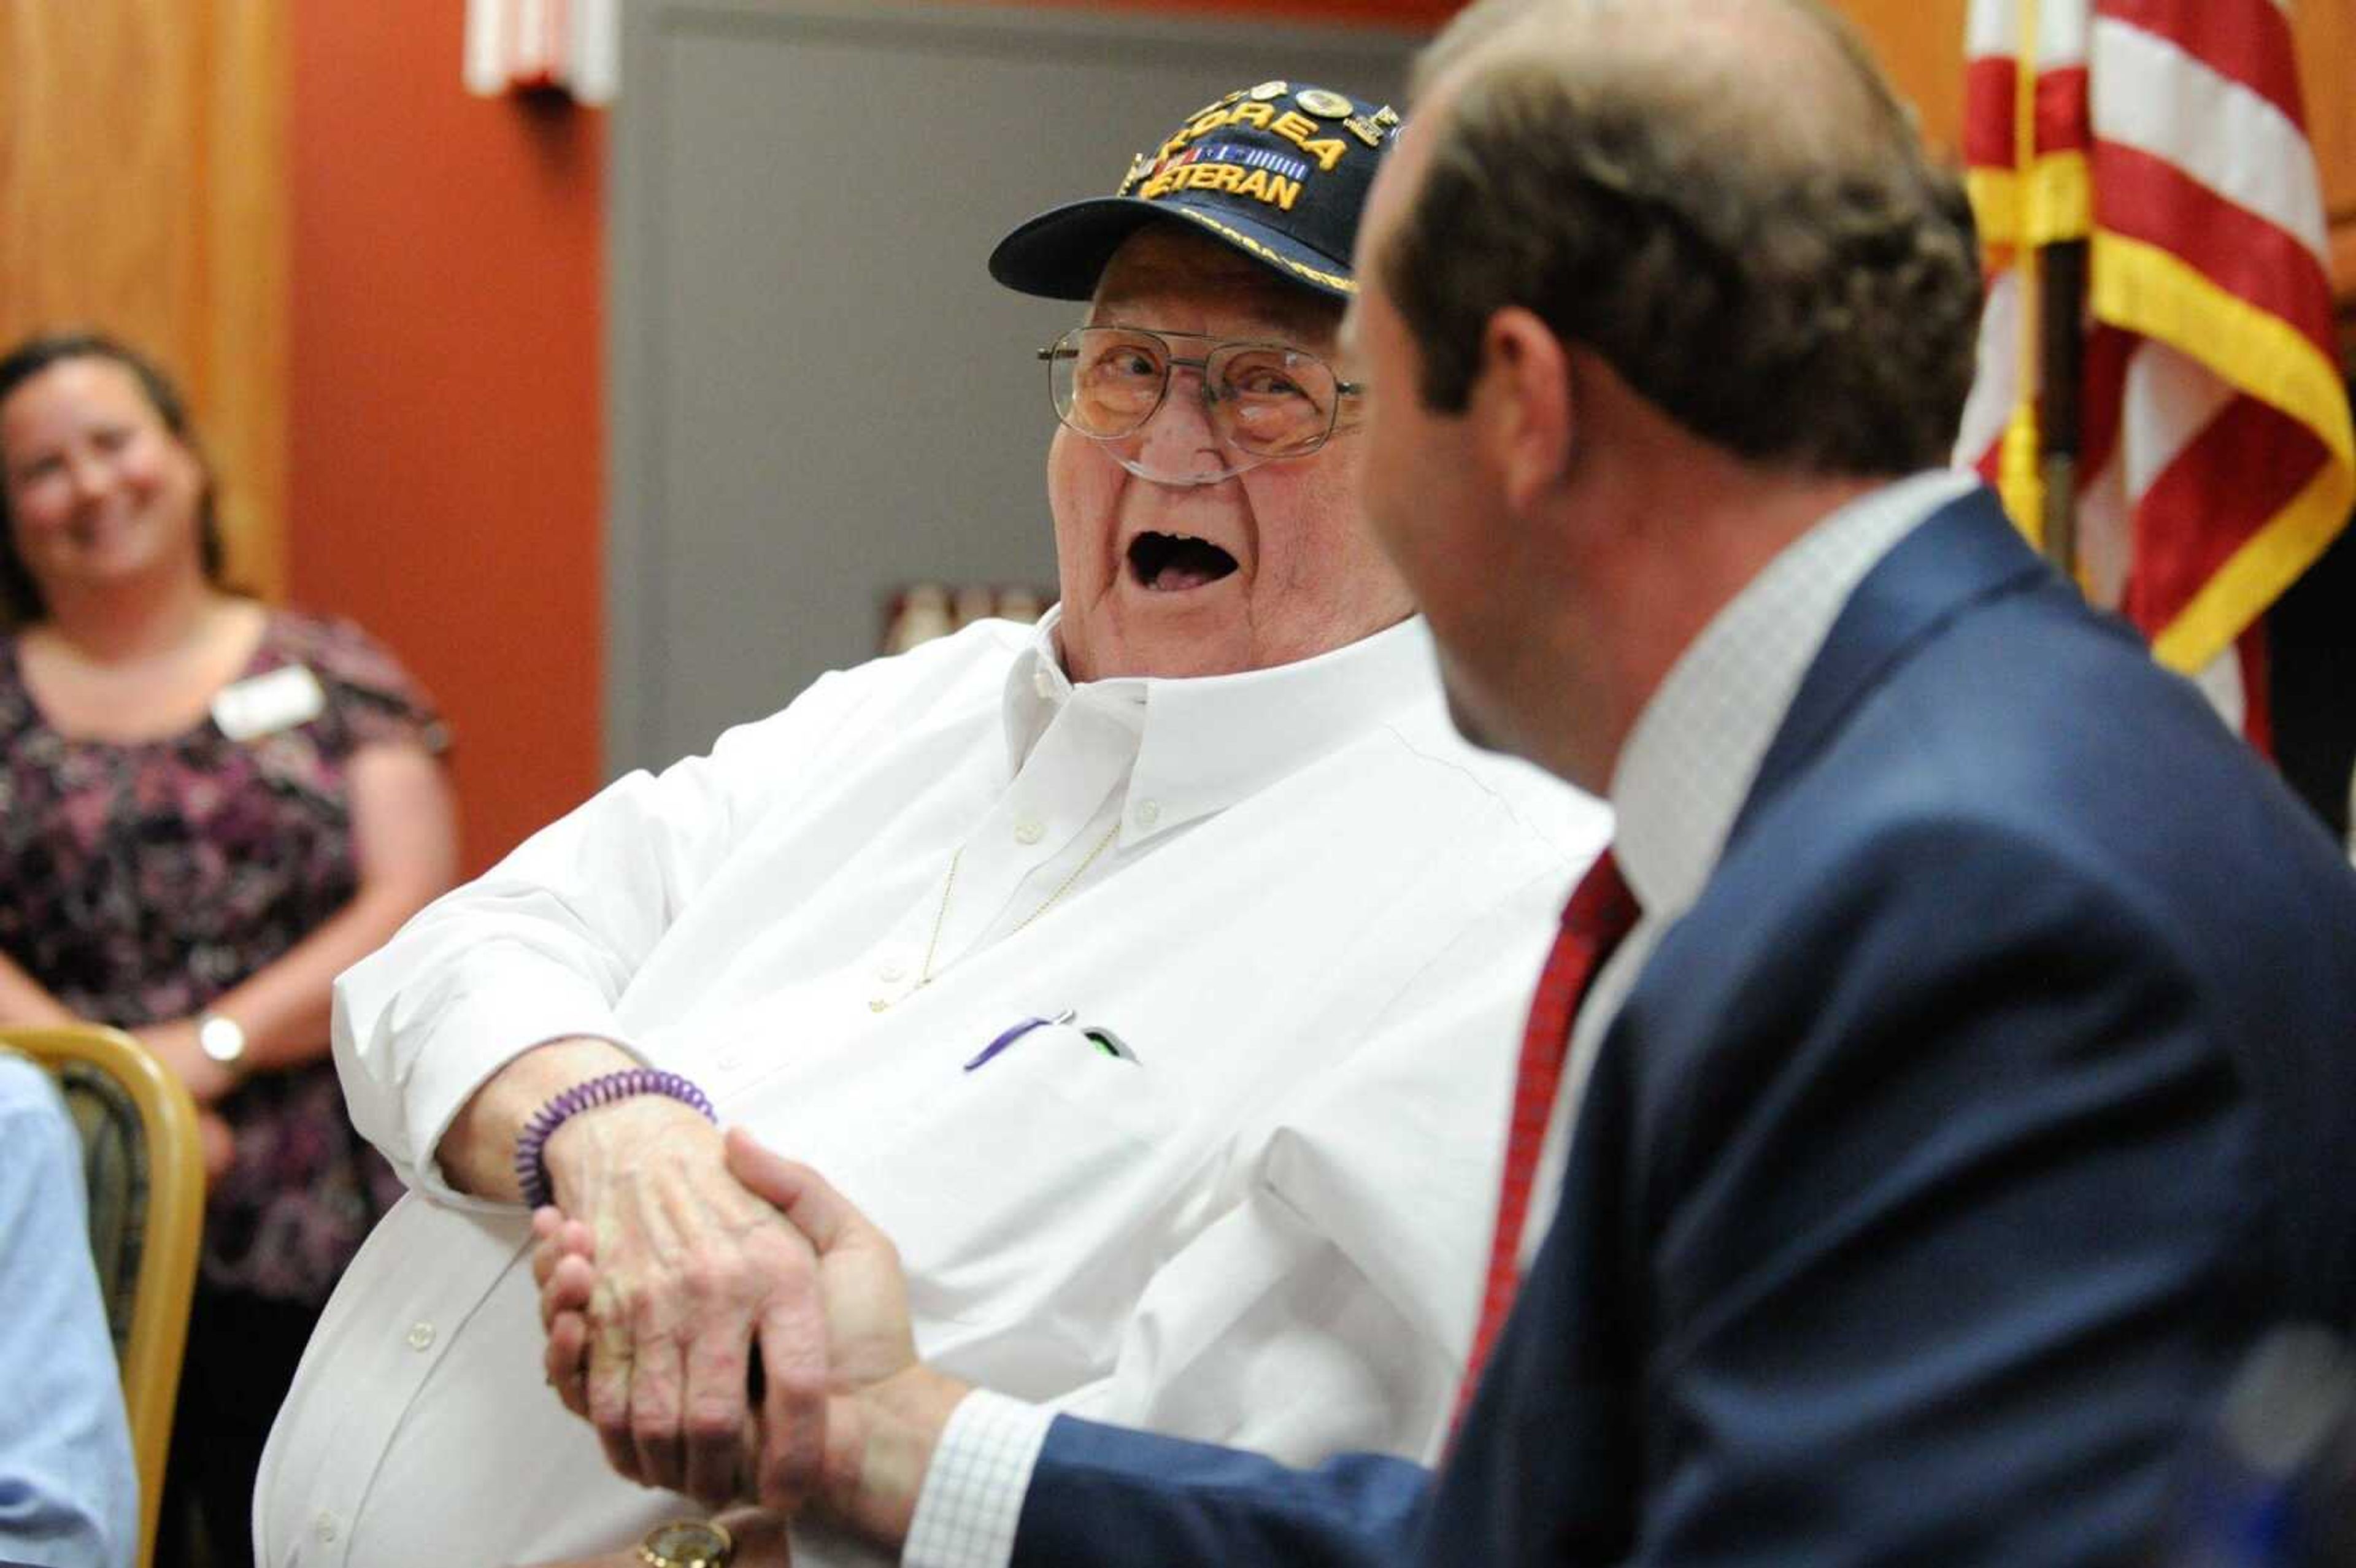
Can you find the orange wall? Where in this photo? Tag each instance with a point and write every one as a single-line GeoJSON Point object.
{"type": "Point", "coordinates": [446, 394]}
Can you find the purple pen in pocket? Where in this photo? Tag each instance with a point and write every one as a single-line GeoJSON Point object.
{"type": "Point", "coordinates": [1016, 1032]}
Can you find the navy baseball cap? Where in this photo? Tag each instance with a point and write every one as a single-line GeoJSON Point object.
{"type": "Point", "coordinates": [1278, 171]}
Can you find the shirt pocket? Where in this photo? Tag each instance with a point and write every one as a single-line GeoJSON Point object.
{"type": "Point", "coordinates": [1026, 1189]}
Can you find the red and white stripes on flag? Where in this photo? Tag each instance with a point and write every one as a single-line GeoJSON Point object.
{"type": "Point", "coordinates": [570, 46]}
{"type": "Point", "coordinates": [2216, 460]}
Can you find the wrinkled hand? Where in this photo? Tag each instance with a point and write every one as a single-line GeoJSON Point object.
{"type": "Point", "coordinates": [173, 1043]}
{"type": "Point", "coordinates": [856, 1451]}
{"type": "Point", "coordinates": [692, 1274]}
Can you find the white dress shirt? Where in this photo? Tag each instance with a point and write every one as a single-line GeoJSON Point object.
{"type": "Point", "coordinates": [1312, 913]}
{"type": "Point", "coordinates": [1681, 779]}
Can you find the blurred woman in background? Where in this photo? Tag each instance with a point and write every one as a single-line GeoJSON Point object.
{"type": "Point", "coordinates": [208, 807]}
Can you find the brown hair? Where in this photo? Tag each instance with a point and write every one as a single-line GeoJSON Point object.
{"type": "Point", "coordinates": [1775, 264]}
{"type": "Point", "coordinates": [20, 596]}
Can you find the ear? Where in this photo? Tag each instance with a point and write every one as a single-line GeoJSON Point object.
{"type": "Point", "coordinates": [1523, 404]}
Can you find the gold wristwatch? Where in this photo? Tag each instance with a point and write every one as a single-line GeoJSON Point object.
{"type": "Point", "coordinates": [688, 1543]}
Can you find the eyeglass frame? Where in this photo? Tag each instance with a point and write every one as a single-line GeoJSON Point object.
{"type": "Point", "coordinates": [1342, 389]}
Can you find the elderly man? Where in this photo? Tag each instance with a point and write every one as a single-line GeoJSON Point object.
{"type": "Point", "coordinates": [1152, 974]}
{"type": "Point", "coordinates": [1970, 1085]}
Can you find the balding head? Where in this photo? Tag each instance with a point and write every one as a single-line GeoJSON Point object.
{"type": "Point", "coordinates": [1722, 198]}
{"type": "Point", "coordinates": [1824, 95]}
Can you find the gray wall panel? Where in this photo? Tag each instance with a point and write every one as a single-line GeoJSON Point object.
{"type": "Point", "coordinates": [818, 394]}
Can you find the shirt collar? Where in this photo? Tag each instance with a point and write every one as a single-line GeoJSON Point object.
{"type": "Point", "coordinates": [1695, 748]}
{"type": "Point", "coordinates": [1207, 741]}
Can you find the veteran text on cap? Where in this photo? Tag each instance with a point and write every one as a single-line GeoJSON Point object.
{"type": "Point", "coordinates": [1279, 172]}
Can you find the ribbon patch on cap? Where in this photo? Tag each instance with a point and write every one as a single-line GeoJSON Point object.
{"type": "Point", "coordinates": [1291, 168]}
{"type": "Point", "coordinates": [1264, 176]}
{"type": "Point", "coordinates": [1292, 125]}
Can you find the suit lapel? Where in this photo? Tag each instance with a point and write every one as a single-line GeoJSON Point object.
{"type": "Point", "coordinates": [1549, 1468]}
{"type": "Point", "coordinates": [1962, 554]}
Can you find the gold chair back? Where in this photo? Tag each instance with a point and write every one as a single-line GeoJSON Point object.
{"type": "Point", "coordinates": [146, 1182]}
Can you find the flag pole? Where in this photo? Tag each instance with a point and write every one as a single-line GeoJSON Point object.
{"type": "Point", "coordinates": [2061, 300]}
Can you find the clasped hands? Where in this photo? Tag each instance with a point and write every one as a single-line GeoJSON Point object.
{"type": "Point", "coordinates": [731, 1325]}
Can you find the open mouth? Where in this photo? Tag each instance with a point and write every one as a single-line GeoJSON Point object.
{"type": "Point", "coordinates": [1171, 563]}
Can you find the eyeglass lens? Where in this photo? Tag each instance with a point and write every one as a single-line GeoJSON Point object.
{"type": "Point", "coordinates": [1262, 398]}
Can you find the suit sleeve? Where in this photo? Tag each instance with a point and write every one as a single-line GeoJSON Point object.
{"type": "Point", "coordinates": [1114, 1498]}
{"type": "Point", "coordinates": [1945, 1235]}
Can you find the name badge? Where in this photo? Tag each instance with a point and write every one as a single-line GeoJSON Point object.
{"type": "Point", "coordinates": [266, 704]}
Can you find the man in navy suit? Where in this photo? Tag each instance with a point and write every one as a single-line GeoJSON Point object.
{"type": "Point", "coordinates": [1975, 1086]}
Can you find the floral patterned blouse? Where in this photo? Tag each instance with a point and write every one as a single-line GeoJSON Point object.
{"type": "Point", "coordinates": [139, 882]}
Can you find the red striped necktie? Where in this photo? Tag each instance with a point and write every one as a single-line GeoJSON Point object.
{"type": "Point", "coordinates": [1601, 913]}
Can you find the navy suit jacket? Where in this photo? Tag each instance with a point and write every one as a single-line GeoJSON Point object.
{"type": "Point", "coordinates": [1995, 1094]}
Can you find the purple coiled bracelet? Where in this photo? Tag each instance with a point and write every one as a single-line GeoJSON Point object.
{"type": "Point", "coordinates": [532, 1144]}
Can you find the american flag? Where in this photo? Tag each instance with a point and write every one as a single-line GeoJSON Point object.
{"type": "Point", "coordinates": [2215, 460]}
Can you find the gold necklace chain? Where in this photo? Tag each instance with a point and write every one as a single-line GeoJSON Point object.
{"type": "Point", "coordinates": [940, 915]}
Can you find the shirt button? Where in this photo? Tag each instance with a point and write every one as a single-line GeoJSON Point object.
{"type": "Point", "coordinates": [325, 1527]}
{"type": "Point", "coordinates": [889, 970]}
{"type": "Point", "coordinates": [1149, 811]}
{"type": "Point", "coordinates": [877, 1004]}
{"type": "Point", "coordinates": [1042, 682]}
{"type": "Point", "coordinates": [1029, 831]}
{"type": "Point", "coordinates": [421, 1336]}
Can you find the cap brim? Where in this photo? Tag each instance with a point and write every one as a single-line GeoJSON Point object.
{"type": "Point", "coordinates": [1061, 253]}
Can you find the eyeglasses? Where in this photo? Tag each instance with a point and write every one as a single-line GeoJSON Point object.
{"type": "Point", "coordinates": [1265, 401]}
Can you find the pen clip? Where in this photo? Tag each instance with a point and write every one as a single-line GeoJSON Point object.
{"type": "Point", "coordinates": [1016, 1032]}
